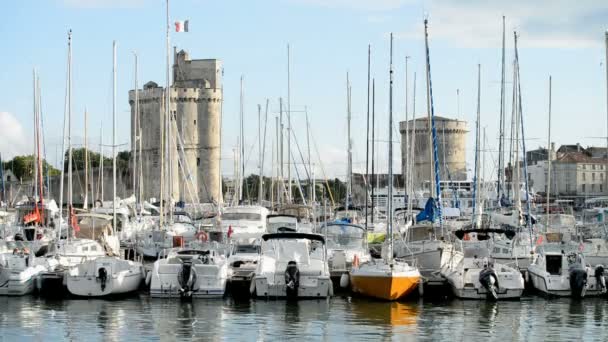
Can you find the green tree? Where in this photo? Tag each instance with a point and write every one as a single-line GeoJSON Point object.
{"type": "Point", "coordinates": [23, 167]}
{"type": "Point", "coordinates": [78, 159]}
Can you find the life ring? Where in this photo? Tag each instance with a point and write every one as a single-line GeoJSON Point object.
{"type": "Point", "coordinates": [466, 237]}
{"type": "Point", "coordinates": [202, 236]}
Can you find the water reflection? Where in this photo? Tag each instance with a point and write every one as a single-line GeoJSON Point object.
{"type": "Point", "coordinates": [337, 319]}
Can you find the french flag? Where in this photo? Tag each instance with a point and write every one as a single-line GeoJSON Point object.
{"type": "Point", "coordinates": [181, 26]}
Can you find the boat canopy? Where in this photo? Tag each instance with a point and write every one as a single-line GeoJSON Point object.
{"type": "Point", "coordinates": [291, 236]}
{"type": "Point", "coordinates": [509, 234]}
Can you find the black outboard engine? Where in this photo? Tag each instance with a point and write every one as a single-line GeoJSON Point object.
{"type": "Point", "coordinates": [102, 275]}
{"type": "Point", "coordinates": [186, 278]}
{"type": "Point", "coordinates": [600, 278]}
{"type": "Point", "coordinates": [489, 280]}
{"type": "Point", "coordinates": [19, 237]}
{"type": "Point", "coordinates": [578, 280]}
{"type": "Point", "coordinates": [292, 279]}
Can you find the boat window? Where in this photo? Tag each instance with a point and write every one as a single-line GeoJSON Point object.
{"type": "Point", "coordinates": [85, 248]}
{"type": "Point", "coordinates": [247, 249]}
{"type": "Point", "coordinates": [93, 248]}
{"type": "Point", "coordinates": [496, 250]}
{"type": "Point", "coordinates": [475, 253]}
{"type": "Point", "coordinates": [505, 251]}
{"type": "Point", "coordinates": [242, 216]}
{"type": "Point", "coordinates": [554, 264]}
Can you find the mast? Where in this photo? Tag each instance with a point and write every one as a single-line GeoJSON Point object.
{"type": "Point", "coordinates": [289, 123]}
{"type": "Point", "coordinates": [36, 156]}
{"type": "Point", "coordinates": [516, 171]}
{"type": "Point", "coordinates": [389, 203]}
{"type": "Point", "coordinates": [606, 63]}
{"type": "Point", "coordinates": [281, 187]}
{"type": "Point", "coordinates": [407, 128]}
{"type": "Point", "coordinates": [311, 179]}
{"type": "Point", "coordinates": [369, 53]}
{"type": "Point", "coordinates": [101, 161]}
{"type": "Point", "coordinates": [433, 136]}
{"type": "Point", "coordinates": [428, 110]}
{"type": "Point", "coordinates": [476, 210]}
{"type": "Point", "coordinates": [410, 166]}
{"type": "Point", "coordinates": [260, 182]}
{"type": "Point", "coordinates": [501, 135]}
{"type": "Point", "coordinates": [242, 147]}
{"type": "Point", "coordinates": [65, 122]}
{"type": "Point", "coordinates": [113, 137]}
{"type": "Point", "coordinates": [349, 151]}
{"type": "Point", "coordinates": [86, 163]}
{"type": "Point", "coordinates": [136, 135]}
{"type": "Point", "coordinates": [373, 141]}
{"type": "Point", "coordinates": [70, 202]}
{"type": "Point", "coordinates": [549, 156]}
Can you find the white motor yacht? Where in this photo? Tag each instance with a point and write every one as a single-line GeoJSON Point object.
{"type": "Point", "coordinates": [189, 273]}
{"type": "Point", "coordinates": [292, 265]}
{"type": "Point", "coordinates": [19, 270]}
{"type": "Point", "coordinates": [276, 223]}
{"type": "Point", "coordinates": [244, 222]}
{"type": "Point", "coordinates": [473, 274]}
{"type": "Point", "coordinates": [154, 241]}
{"type": "Point", "coordinates": [242, 262]}
{"type": "Point", "coordinates": [346, 245]}
{"type": "Point", "coordinates": [560, 269]}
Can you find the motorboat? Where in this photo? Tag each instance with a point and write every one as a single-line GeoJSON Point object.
{"type": "Point", "coordinates": [517, 252]}
{"type": "Point", "coordinates": [244, 222]}
{"type": "Point", "coordinates": [104, 276]}
{"type": "Point", "coordinates": [304, 214]}
{"type": "Point", "coordinates": [473, 274]}
{"type": "Point", "coordinates": [346, 246]}
{"type": "Point", "coordinates": [154, 241]}
{"type": "Point", "coordinates": [285, 222]}
{"type": "Point", "coordinates": [189, 273]}
{"type": "Point", "coordinates": [560, 269]}
{"type": "Point", "coordinates": [19, 270]}
{"type": "Point", "coordinates": [242, 262]}
{"type": "Point", "coordinates": [292, 265]}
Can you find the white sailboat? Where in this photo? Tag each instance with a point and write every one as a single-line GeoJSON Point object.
{"type": "Point", "coordinates": [389, 278]}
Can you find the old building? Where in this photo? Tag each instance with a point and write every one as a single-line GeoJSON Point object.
{"type": "Point", "coordinates": [193, 162]}
{"type": "Point", "coordinates": [451, 149]}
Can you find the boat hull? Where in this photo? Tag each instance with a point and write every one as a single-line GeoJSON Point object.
{"type": "Point", "coordinates": [90, 286]}
{"type": "Point", "coordinates": [318, 287]}
{"type": "Point", "coordinates": [387, 287]}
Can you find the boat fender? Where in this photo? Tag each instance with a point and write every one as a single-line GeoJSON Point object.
{"type": "Point", "coordinates": [355, 261]}
{"type": "Point", "coordinates": [600, 278]}
{"type": "Point", "coordinates": [102, 275]}
{"type": "Point", "coordinates": [292, 279]}
{"type": "Point", "coordinates": [344, 280]}
{"type": "Point", "coordinates": [252, 287]}
{"type": "Point", "coordinates": [148, 278]}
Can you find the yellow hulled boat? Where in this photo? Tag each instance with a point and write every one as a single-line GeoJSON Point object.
{"type": "Point", "coordinates": [382, 280]}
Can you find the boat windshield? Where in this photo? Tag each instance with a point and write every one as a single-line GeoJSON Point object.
{"type": "Point", "coordinates": [252, 249]}
{"type": "Point", "coordinates": [343, 236]}
{"type": "Point", "coordinates": [241, 216]}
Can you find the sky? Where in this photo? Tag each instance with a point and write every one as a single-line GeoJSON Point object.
{"type": "Point", "coordinates": [327, 38]}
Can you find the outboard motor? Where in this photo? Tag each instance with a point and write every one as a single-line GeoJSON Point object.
{"type": "Point", "coordinates": [102, 276]}
{"type": "Point", "coordinates": [489, 280]}
{"type": "Point", "coordinates": [186, 278]}
{"type": "Point", "coordinates": [19, 237]}
{"type": "Point", "coordinates": [578, 280]}
{"type": "Point", "coordinates": [292, 279]}
{"type": "Point", "coordinates": [600, 278]}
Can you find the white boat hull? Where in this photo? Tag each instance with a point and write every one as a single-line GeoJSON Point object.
{"type": "Point", "coordinates": [122, 277]}
{"type": "Point", "coordinates": [310, 287]}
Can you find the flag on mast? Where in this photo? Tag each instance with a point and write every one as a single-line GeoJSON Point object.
{"type": "Point", "coordinates": [181, 26]}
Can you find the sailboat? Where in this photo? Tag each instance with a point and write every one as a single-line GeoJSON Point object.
{"type": "Point", "coordinates": [107, 275]}
{"type": "Point", "coordinates": [389, 278]}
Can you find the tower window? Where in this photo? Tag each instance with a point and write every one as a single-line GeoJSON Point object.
{"type": "Point", "coordinates": [195, 121]}
{"type": "Point", "coordinates": [198, 160]}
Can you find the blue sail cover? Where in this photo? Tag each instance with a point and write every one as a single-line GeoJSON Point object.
{"type": "Point", "coordinates": [429, 212]}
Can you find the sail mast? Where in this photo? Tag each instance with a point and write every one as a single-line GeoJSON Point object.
{"type": "Point", "coordinates": [549, 150]}
{"type": "Point", "coordinates": [476, 209]}
{"type": "Point", "coordinates": [114, 138]}
{"type": "Point", "coordinates": [389, 203]}
{"type": "Point", "coordinates": [369, 52]}
{"type": "Point", "coordinates": [349, 156]}
{"type": "Point", "coordinates": [86, 163]}
{"type": "Point", "coordinates": [501, 135]}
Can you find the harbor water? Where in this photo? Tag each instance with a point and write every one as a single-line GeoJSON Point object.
{"type": "Point", "coordinates": [141, 318]}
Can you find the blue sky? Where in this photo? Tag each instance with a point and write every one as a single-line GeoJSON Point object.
{"type": "Point", "coordinates": [328, 38]}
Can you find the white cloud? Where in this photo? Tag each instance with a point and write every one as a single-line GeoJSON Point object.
{"type": "Point", "coordinates": [103, 3]}
{"type": "Point", "coordinates": [542, 24]}
{"type": "Point", "coordinates": [12, 136]}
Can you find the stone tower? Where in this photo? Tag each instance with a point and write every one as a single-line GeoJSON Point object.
{"type": "Point", "coordinates": [195, 107]}
{"type": "Point", "coordinates": [451, 149]}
